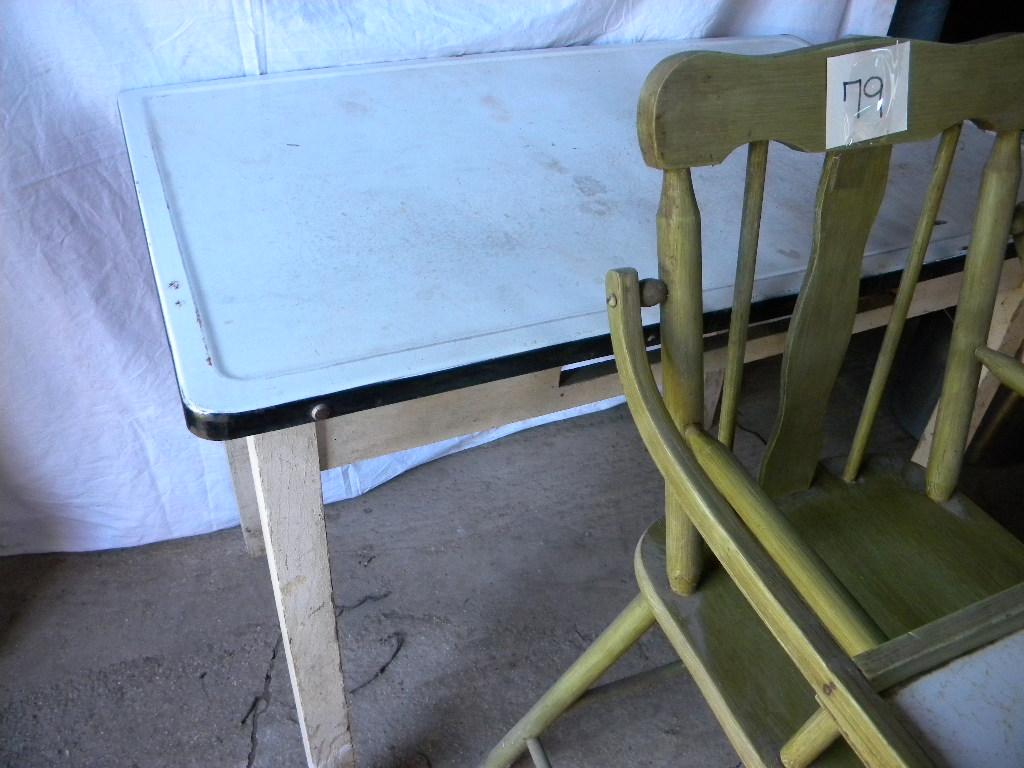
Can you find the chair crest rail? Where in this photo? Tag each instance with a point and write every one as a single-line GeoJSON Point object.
{"type": "Point", "coordinates": [697, 107]}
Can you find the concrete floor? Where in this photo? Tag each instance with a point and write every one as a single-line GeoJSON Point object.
{"type": "Point", "coordinates": [464, 588]}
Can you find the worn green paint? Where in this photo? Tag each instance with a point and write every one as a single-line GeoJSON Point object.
{"type": "Point", "coordinates": [865, 720]}
{"type": "Point", "coordinates": [849, 195]}
{"type": "Point", "coordinates": [877, 558]}
{"type": "Point", "coordinates": [743, 288]}
{"type": "Point", "coordinates": [754, 689]}
{"type": "Point", "coordinates": [904, 296]}
{"type": "Point", "coordinates": [682, 356]}
{"type": "Point", "coordinates": [697, 107]}
{"type": "Point", "coordinates": [992, 226]}
{"type": "Point", "coordinates": [1008, 370]}
{"type": "Point", "coordinates": [628, 627]}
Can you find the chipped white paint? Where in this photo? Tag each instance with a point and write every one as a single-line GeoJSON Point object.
{"type": "Point", "coordinates": [971, 711]}
{"type": "Point", "coordinates": [286, 474]}
{"type": "Point", "coordinates": [245, 494]}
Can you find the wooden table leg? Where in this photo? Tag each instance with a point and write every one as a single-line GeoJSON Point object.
{"type": "Point", "coordinates": [713, 380]}
{"type": "Point", "coordinates": [245, 494]}
{"type": "Point", "coordinates": [286, 470]}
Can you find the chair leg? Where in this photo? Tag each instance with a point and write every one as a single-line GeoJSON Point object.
{"type": "Point", "coordinates": [810, 741]}
{"type": "Point", "coordinates": [628, 627]}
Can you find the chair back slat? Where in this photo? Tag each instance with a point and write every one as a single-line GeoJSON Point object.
{"type": "Point", "coordinates": [992, 226]}
{"type": "Point", "coordinates": [849, 195]}
{"type": "Point", "coordinates": [904, 295]}
{"type": "Point", "coordinates": [746, 261]}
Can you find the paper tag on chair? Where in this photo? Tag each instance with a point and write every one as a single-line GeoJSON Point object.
{"type": "Point", "coordinates": [866, 95]}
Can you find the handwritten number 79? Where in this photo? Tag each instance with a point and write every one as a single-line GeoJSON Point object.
{"type": "Point", "coordinates": [871, 88]}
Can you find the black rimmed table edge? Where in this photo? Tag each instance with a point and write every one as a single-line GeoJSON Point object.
{"type": "Point", "coordinates": [771, 315]}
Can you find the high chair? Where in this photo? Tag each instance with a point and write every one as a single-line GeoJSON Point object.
{"type": "Point", "coordinates": [859, 612]}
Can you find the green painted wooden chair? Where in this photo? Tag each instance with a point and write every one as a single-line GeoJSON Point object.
{"type": "Point", "coordinates": [829, 586]}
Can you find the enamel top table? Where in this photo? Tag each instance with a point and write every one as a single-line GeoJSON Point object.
{"type": "Point", "coordinates": [357, 260]}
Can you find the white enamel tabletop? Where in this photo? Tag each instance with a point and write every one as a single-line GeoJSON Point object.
{"type": "Point", "coordinates": [317, 232]}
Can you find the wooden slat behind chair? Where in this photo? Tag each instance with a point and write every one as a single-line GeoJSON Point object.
{"type": "Point", "coordinates": [824, 569]}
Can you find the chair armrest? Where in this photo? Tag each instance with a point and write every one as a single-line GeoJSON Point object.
{"type": "Point", "coordinates": [813, 580]}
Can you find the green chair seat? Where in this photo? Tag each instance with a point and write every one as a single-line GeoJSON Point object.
{"type": "Point", "coordinates": [907, 559]}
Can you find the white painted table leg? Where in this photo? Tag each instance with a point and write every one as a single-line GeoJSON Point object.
{"type": "Point", "coordinates": [286, 470]}
{"type": "Point", "coordinates": [245, 494]}
{"type": "Point", "coordinates": [713, 380]}
{"type": "Point", "coordinates": [1005, 335]}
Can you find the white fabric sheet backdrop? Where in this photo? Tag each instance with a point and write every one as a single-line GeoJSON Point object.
{"type": "Point", "coordinates": [93, 447]}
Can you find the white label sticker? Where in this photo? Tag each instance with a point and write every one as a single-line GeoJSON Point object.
{"type": "Point", "coordinates": [866, 95]}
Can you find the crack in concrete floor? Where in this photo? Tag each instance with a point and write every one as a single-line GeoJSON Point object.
{"type": "Point", "coordinates": [260, 704]}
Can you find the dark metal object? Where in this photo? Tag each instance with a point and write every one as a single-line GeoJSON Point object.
{"type": "Point", "coordinates": [652, 291]}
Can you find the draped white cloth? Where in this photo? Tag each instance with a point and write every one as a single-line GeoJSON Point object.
{"type": "Point", "coordinates": [94, 452]}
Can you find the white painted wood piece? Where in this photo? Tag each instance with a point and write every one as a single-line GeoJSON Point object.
{"type": "Point", "coordinates": [285, 467]}
{"type": "Point", "coordinates": [970, 712]}
{"type": "Point", "coordinates": [714, 378]}
{"type": "Point", "coordinates": [245, 495]}
{"type": "Point", "coordinates": [1006, 335]}
{"type": "Point", "coordinates": [319, 231]}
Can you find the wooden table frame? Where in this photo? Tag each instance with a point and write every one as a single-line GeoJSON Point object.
{"type": "Point", "coordinates": [277, 483]}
